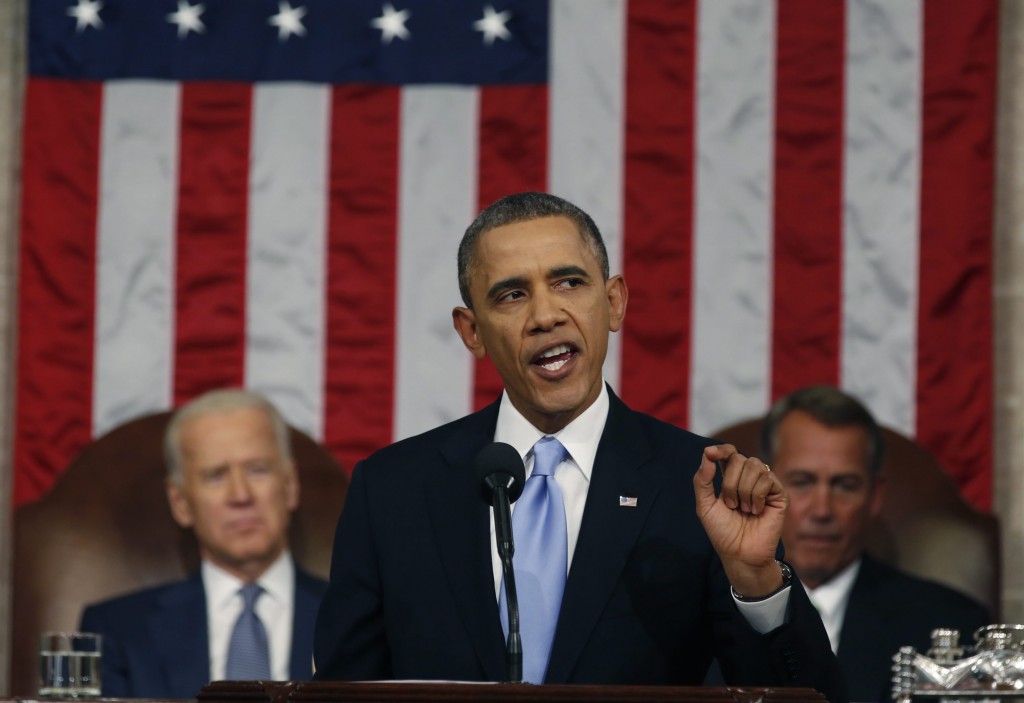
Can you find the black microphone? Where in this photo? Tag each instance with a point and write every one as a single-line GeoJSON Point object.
{"type": "Point", "coordinates": [501, 474]}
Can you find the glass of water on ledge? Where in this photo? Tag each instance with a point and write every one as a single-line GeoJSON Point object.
{"type": "Point", "coordinates": [69, 665]}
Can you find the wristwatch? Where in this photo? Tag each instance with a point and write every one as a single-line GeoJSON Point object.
{"type": "Point", "coordinates": [787, 580]}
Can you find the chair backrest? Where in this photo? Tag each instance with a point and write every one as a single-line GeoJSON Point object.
{"type": "Point", "coordinates": [105, 528]}
{"type": "Point", "coordinates": [926, 527]}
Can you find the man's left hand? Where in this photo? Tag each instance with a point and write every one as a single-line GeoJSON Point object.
{"type": "Point", "coordinates": [744, 522]}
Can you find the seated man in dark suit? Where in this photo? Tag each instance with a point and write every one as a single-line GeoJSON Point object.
{"type": "Point", "coordinates": [249, 612]}
{"type": "Point", "coordinates": [827, 449]}
{"type": "Point", "coordinates": [630, 583]}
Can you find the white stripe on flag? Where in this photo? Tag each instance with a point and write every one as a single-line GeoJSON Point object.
{"type": "Point", "coordinates": [285, 280]}
{"type": "Point", "coordinates": [437, 200]}
{"type": "Point", "coordinates": [882, 173]}
{"type": "Point", "coordinates": [731, 360]}
{"type": "Point", "coordinates": [133, 364]}
{"type": "Point", "coordinates": [587, 106]}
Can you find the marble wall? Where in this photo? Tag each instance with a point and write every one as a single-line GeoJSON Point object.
{"type": "Point", "coordinates": [12, 72]}
{"type": "Point", "coordinates": [1009, 307]}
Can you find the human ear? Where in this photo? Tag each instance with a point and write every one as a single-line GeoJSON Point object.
{"type": "Point", "coordinates": [618, 295]}
{"type": "Point", "coordinates": [292, 488]}
{"type": "Point", "coordinates": [877, 495]}
{"type": "Point", "coordinates": [464, 321]}
{"type": "Point", "coordinates": [181, 511]}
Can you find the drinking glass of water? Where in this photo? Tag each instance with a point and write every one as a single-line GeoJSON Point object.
{"type": "Point", "coordinates": [69, 664]}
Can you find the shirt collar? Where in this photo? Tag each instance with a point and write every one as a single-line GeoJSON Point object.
{"type": "Point", "coordinates": [580, 437]}
{"type": "Point", "coordinates": [221, 587]}
{"type": "Point", "coordinates": [832, 596]}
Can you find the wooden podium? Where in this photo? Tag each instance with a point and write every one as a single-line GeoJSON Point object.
{"type": "Point", "coordinates": [449, 692]}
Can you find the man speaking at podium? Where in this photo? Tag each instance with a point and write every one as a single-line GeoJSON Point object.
{"type": "Point", "coordinates": [641, 574]}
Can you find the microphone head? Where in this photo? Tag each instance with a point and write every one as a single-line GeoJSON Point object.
{"type": "Point", "coordinates": [499, 464]}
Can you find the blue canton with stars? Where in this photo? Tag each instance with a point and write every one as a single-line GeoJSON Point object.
{"type": "Point", "coordinates": [402, 42]}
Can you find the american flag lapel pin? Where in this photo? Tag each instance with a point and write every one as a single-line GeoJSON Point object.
{"type": "Point", "coordinates": [627, 501]}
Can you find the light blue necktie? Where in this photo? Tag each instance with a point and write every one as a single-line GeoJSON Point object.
{"type": "Point", "coordinates": [539, 532]}
{"type": "Point", "coordinates": [248, 651]}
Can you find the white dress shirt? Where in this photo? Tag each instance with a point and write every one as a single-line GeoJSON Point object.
{"type": "Point", "coordinates": [580, 439]}
{"type": "Point", "coordinates": [275, 608]}
{"type": "Point", "coordinates": [831, 599]}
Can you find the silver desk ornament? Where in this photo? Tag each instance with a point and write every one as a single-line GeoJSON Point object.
{"type": "Point", "coordinates": [991, 670]}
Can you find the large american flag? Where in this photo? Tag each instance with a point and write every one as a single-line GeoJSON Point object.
{"type": "Point", "coordinates": [270, 193]}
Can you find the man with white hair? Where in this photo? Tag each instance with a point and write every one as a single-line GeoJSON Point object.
{"type": "Point", "coordinates": [249, 611]}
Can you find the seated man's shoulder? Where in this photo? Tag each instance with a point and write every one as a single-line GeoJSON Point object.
{"type": "Point", "coordinates": [144, 599]}
{"type": "Point", "coordinates": [916, 593]}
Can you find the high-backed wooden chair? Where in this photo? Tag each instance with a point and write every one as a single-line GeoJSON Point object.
{"type": "Point", "coordinates": [106, 529]}
{"type": "Point", "coordinates": [926, 527]}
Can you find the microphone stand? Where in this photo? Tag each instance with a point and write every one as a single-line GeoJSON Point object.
{"type": "Point", "coordinates": [506, 549]}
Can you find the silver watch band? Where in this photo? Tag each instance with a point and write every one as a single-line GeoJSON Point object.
{"type": "Point", "coordinates": [787, 580]}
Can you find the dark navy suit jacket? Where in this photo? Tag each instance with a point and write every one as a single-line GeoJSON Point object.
{"type": "Point", "coordinates": [889, 609]}
{"type": "Point", "coordinates": [155, 642]}
{"type": "Point", "coordinates": [646, 601]}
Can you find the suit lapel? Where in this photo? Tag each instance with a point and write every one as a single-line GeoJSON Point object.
{"type": "Point", "coordinates": [866, 615]}
{"type": "Point", "coordinates": [461, 522]}
{"type": "Point", "coordinates": [307, 601]}
{"type": "Point", "coordinates": [607, 535]}
{"type": "Point", "coordinates": [865, 645]}
{"type": "Point", "coordinates": [179, 637]}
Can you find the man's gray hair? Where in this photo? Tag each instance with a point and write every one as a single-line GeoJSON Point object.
{"type": "Point", "coordinates": [832, 408]}
{"type": "Point", "coordinates": [216, 402]}
{"type": "Point", "coordinates": [523, 207]}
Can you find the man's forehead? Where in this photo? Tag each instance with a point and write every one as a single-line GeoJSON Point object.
{"type": "Point", "coordinates": [229, 417]}
{"type": "Point", "coordinates": [814, 470]}
{"type": "Point", "coordinates": [494, 246]}
{"type": "Point", "coordinates": [809, 445]}
{"type": "Point", "coordinates": [208, 432]}
{"type": "Point", "coordinates": [801, 427]}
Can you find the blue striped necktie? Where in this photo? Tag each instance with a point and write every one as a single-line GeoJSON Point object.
{"type": "Point", "coordinates": [248, 650]}
{"type": "Point", "coordinates": [539, 532]}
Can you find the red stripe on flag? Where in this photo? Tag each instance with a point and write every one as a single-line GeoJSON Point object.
{"type": "Point", "coordinates": [658, 219]}
{"type": "Point", "coordinates": [955, 350]}
{"type": "Point", "coordinates": [211, 245]}
{"type": "Point", "coordinates": [512, 158]}
{"type": "Point", "coordinates": [361, 263]}
{"type": "Point", "coordinates": [807, 276]}
{"type": "Point", "coordinates": [60, 170]}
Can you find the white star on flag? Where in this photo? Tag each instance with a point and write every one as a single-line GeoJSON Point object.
{"type": "Point", "coordinates": [86, 14]}
{"type": "Point", "coordinates": [187, 18]}
{"type": "Point", "coordinates": [493, 25]}
{"type": "Point", "coordinates": [391, 23]}
{"type": "Point", "coordinates": [288, 20]}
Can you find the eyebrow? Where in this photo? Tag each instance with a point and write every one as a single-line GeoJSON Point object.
{"type": "Point", "coordinates": [520, 281]}
{"type": "Point", "coordinates": [570, 270]}
{"type": "Point", "coordinates": [513, 282]}
{"type": "Point", "coordinates": [811, 473]}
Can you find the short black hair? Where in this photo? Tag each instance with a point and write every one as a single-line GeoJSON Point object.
{"type": "Point", "coordinates": [832, 408]}
{"type": "Point", "coordinates": [523, 207]}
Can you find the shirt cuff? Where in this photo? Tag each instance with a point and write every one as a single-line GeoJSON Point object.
{"type": "Point", "coordinates": [768, 614]}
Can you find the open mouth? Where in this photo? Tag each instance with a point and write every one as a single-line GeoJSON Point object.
{"type": "Point", "coordinates": [555, 358]}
